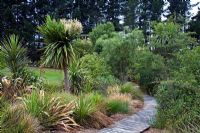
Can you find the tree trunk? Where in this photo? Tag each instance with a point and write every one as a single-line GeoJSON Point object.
{"type": "Point", "coordinates": [66, 79]}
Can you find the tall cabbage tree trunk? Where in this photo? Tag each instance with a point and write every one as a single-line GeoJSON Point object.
{"type": "Point", "coordinates": [66, 79]}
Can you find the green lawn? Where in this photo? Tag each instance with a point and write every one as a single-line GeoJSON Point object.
{"type": "Point", "coordinates": [51, 75]}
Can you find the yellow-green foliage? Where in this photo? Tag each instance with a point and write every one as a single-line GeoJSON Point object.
{"type": "Point", "coordinates": [89, 111]}
{"type": "Point", "coordinates": [102, 29]}
{"type": "Point", "coordinates": [113, 89]}
{"type": "Point", "coordinates": [82, 47]}
{"type": "Point", "coordinates": [86, 105]}
{"type": "Point", "coordinates": [118, 103]}
{"type": "Point", "coordinates": [131, 89]}
{"type": "Point", "coordinates": [53, 87]}
{"type": "Point", "coordinates": [64, 97]}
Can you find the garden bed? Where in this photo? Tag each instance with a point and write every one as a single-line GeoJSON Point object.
{"type": "Point", "coordinates": [137, 105]}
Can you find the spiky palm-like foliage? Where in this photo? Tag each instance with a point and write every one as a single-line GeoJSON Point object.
{"type": "Point", "coordinates": [14, 54]}
{"type": "Point", "coordinates": [58, 35]}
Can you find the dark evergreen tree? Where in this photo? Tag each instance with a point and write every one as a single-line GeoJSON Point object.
{"type": "Point", "coordinates": [113, 10]}
{"type": "Point", "coordinates": [194, 26]}
{"type": "Point", "coordinates": [179, 8]}
{"type": "Point", "coordinates": [141, 13]}
{"type": "Point", "coordinates": [131, 13]}
{"type": "Point", "coordinates": [179, 12]}
{"type": "Point", "coordinates": [88, 12]}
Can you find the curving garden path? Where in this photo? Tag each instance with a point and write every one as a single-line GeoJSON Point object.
{"type": "Point", "coordinates": [136, 123]}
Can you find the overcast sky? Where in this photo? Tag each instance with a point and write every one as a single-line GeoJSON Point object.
{"type": "Point", "coordinates": [195, 9]}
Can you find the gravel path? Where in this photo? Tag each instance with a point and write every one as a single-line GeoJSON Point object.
{"type": "Point", "coordinates": [136, 123]}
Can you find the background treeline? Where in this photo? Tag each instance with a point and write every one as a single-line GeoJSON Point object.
{"type": "Point", "coordinates": [22, 16]}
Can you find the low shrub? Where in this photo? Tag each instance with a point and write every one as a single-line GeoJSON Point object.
{"type": "Point", "coordinates": [175, 112]}
{"type": "Point", "coordinates": [102, 29]}
{"type": "Point", "coordinates": [179, 96]}
{"type": "Point", "coordinates": [14, 119]}
{"type": "Point", "coordinates": [188, 58]}
{"type": "Point", "coordinates": [105, 81]}
{"type": "Point", "coordinates": [96, 72]}
{"type": "Point", "coordinates": [149, 69]}
{"type": "Point", "coordinates": [118, 52]}
{"type": "Point", "coordinates": [82, 47]}
{"type": "Point", "coordinates": [89, 73]}
{"type": "Point", "coordinates": [30, 77]}
{"type": "Point", "coordinates": [132, 89]}
{"type": "Point", "coordinates": [96, 98]}
{"type": "Point", "coordinates": [118, 103]}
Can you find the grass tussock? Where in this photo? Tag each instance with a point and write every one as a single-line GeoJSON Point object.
{"type": "Point", "coordinates": [113, 89]}
{"type": "Point", "coordinates": [119, 103]}
{"type": "Point", "coordinates": [15, 119]}
{"type": "Point", "coordinates": [52, 114]}
{"type": "Point", "coordinates": [88, 111]}
{"type": "Point", "coordinates": [120, 97]}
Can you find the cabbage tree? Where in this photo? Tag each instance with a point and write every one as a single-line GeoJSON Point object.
{"type": "Point", "coordinates": [58, 36]}
{"type": "Point", "coordinates": [13, 55]}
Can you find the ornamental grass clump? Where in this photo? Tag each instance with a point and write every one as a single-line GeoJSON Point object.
{"type": "Point", "coordinates": [119, 103]}
{"type": "Point", "coordinates": [86, 105]}
{"type": "Point", "coordinates": [12, 88]}
{"type": "Point", "coordinates": [50, 111]}
{"type": "Point", "coordinates": [15, 119]}
{"type": "Point", "coordinates": [113, 89]}
{"type": "Point", "coordinates": [88, 111]}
